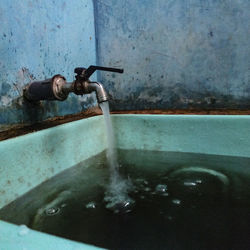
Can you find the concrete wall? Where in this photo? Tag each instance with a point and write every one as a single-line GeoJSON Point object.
{"type": "Point", "coordinates": [37, 40]}
{"type": "Point", "coordinates": [176, 53]}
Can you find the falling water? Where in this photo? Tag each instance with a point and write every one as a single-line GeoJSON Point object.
{"type": "Point", "coordinates": [116, 195]}
{"type": "Point", "coordinates": [111, 152]}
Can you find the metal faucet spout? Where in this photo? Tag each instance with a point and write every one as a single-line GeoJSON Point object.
{"type": "Point", "coordinates": [101, 94]}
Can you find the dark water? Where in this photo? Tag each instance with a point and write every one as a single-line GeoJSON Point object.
{"type": "Point", "coordinates": [182, 201]}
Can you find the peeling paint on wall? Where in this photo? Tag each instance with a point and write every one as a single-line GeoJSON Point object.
{"type": "Point", "coordinates": [37, 40]}
{"type": "Point", "coordinates": [175, 54]}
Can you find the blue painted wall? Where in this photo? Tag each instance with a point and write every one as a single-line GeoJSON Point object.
{"type": "Point", "coordinates": [176, 53]}
{"type": "Point", "coordinates": [37, 40]}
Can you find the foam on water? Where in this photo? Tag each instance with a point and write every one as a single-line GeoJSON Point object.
{"type": "Point", "coordinates": [116, 195]}
{"type": "Point", "coordinates": [161, 188]}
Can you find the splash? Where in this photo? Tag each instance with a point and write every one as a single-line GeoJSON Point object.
{"type": "Point", "coordinates": [116, 195]}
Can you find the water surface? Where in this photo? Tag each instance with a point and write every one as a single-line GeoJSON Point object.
{"type": "Point", "coordinates": [181, 201]}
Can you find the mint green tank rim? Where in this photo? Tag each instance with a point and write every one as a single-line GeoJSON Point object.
{"type": "Point", "coordinates": [208, 134]}
{"type": "Point", "coordinates": [28, 160]}
{"type": "Point", "coordinates": [217, 134]}
{"type": "Point", "coordinates": [13, 237]}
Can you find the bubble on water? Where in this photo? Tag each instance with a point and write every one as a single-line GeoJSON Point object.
{"type": "Point", "coordinates": [161, 188]}
{"type": "Point", "coordinates": [52, 211]}
{"type": "Point", "coordinates": [91, 204]}
{"type": "Point", "coordinates": [176, 201]}
{"type": "Point", "coordinates": [198, 181]}
{"type": "Point", "coordinates": [121, 206]}
{"type": "Point", "coordinates": [23, 230]}
{"type": "Point", "coordinates": [142, 197]}
{"type": "Point", "coordinates": [63, 205]}
{"type": "Point", "coordinates": [189, 183]}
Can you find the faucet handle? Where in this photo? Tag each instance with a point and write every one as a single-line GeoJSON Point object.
{"type": "Point", "coordinates": [86, 73]}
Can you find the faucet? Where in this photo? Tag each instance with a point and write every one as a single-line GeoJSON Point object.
{"type": "Point", "coordinates": [56, 88]}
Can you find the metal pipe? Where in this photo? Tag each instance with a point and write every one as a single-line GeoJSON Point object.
{"type": "Point", "coordinates": [49, 89]}
{"type": "Point", "coordinates": [56, 88]}
{"type": "Point", "coordinates": [101, 94]}
{"type": "Point", "coordinates": [68, 87]}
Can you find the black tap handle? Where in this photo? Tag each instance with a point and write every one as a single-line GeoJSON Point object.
{"type": "Point", "coordinates": [86, 73]}
{"type": "Point", "coordinates": [79, 71]}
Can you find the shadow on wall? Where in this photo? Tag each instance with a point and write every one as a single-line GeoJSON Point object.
{"type": "Point", "coordinates": [23, 112]}
{"type": "Point", "coordinates": [174, 97]}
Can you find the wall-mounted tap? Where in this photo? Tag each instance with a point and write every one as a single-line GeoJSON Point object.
{"type": "Point", "coordinates": [56, 88]}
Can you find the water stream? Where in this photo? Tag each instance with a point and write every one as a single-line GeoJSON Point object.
{"type": "Point", "coordinates": [116, 195]}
